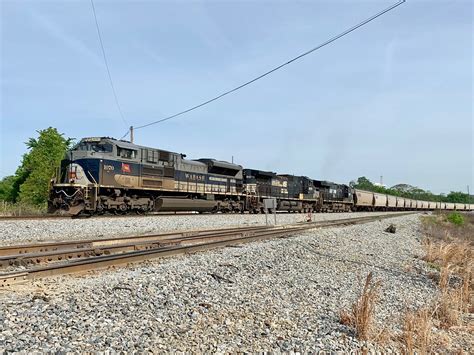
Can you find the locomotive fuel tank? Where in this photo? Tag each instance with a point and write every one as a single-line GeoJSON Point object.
{"type": "Point", "coordinates": [167, 204]}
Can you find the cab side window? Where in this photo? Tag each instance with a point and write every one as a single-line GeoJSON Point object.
{"type": "Point", "coordinates": [126, 153]}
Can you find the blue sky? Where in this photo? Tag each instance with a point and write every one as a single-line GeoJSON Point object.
{"type": "Point", "coordinates": [393, 98]}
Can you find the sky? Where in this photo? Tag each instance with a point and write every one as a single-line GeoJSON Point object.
{"type": "Point", "coordinates": [394, 98]}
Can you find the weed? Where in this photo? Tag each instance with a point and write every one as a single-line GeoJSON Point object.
{"type": "Point", "coordinates": [455, 218]}
{"type": "Point", "coordinates": [444, 277]}
{"type": "Point", "coordinates": [449, 247]}
{"type": "Point", "coordinates": [20, 209]}
{"type": "Point", "coordinates": [417, 331]}
{"type": "Point", "coordinates": [362, 312]}
{"type": "Point", "coordinates": [433, 266]}
{"type": "Point", "coordinates": [457, 253]}
{"type": "Point", "coordinates": [439, 227]}
{"type": "Point", "coordinates": [408, 335]}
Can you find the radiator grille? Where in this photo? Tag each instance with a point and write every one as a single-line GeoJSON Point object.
{"type": "Point", "coordinates": [152, 183]}
{"type": "Point", "coordinates": [152, 171]}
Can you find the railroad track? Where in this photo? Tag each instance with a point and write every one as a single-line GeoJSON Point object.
{"type": "Point", "coordinates": [65, 257]}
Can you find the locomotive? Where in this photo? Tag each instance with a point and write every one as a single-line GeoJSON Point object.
{"type": "Point", "coordinates": [102, 174]}
{"type": "Point", "coordinates": [105, 175]}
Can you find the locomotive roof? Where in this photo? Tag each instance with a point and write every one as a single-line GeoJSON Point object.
{"type": "Point", "coordinates": [220, 163]}
{"type": "Point", "coordinates": [257, 172]}
{"type": "Point", "coordinates": [122, 143]}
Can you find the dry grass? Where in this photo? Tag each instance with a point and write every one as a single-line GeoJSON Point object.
{"type": "Point", "coordinates": [444, 253]}
{"type": "Point", "coordinates": [417, 331]}
{"type": "Point", "coordinates": [20, 209]}
{"type": "Point", "coordinates": [449, 256]}
{"type": "Point", "coordinates": [454, 302]}
{"type": "Point", "coordinates": [449, 248]}
{"type": "Point", "coordinates": [408, 336]}
{"type": "Point", "coordinates": [361, 315]}
{"type": "Point", "coordinates": [454, 259]}
{"type": "Point", "coordinates": [438, 227]}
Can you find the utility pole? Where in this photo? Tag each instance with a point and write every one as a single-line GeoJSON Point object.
{"type": "Point", "coordinates": [131, 134]}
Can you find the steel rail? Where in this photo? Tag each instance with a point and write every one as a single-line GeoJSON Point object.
{"type": "Point", "coordinates": [43, 247]}
{"type": "Point", "coordinates": [128, 244]}
{"type": "Point", "coordinates": [100, 242]}
{"type": "Point", "coordinates": [99, 262]}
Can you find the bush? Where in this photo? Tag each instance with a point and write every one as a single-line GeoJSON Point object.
{"type": "Point", "coordinates": [456, 218]}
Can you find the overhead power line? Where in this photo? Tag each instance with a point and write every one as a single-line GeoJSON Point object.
{"type": "Point", "coordinates": [107, 65]}
{"type": "Point", "coordinates": [342, 34]}
{"type": "Point", "coordinates": [126, 134]}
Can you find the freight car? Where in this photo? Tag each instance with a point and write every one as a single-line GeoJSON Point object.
{"type": "Point", "coordinates": [102, 174]}
{"type": "Point", "coordinates": [372, 201]}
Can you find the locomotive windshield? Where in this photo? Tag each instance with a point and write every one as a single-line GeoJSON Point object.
{"type": "Point", "coordinates": [94, 147]}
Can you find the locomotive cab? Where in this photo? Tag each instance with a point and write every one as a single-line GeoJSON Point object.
{"type": "Point", "coordinates": [81, 173]}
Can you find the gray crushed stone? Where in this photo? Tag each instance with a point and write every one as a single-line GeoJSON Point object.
{"type": "Point", "coordinates": [280, 295]}
{"type": "Point", "coordinates": [30, 231]}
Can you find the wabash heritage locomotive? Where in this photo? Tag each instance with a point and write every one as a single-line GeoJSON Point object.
{"type": "Point", "coordinates": [103, 175]}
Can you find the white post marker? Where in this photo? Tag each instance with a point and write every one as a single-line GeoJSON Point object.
{"type": "Point", "coordinates": [270, 204]}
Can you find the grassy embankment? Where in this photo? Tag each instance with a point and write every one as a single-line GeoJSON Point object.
{"type": "Point", "coordinates": [444, 325]}
{"type": "Point", "coordinates": [20, 209]}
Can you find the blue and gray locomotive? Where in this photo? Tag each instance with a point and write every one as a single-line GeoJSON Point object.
{"type": "Point", "coordinates": [104, 174]}
{"type": "Point", "coordinates": [108, 175]}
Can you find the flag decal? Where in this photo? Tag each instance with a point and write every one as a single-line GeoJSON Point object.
{"type": "Point", "coordinates": [126, 168]}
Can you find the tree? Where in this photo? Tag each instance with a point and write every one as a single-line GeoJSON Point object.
{"type": "Point", "coordinates": [362, 183]}
{"type": "Point", "coordinates": [7, 192]}
{"type": "Point", "coordinates": [38, 166]}
{"type": "Point", "coordinates": [459, 197]}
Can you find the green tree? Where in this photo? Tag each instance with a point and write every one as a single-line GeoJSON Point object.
{"type": "Point", "coordinates": [363, 183]}
{"type": "Point", "coordinates": [10, 185]}
{"type": "Point", "coordinates": [459, 197]}
{"type": "Point", "coordinates": [7, 188]}
{"type": "Point", "coordinates": [38, 166]}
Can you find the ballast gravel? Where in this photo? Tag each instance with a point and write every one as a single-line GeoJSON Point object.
{"type": "Point", "coordinates": [280, 295]}
{"type": "Point", "coordinates": [31, 231]}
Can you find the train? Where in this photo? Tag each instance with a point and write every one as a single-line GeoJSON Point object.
{"type": "Point", "coordinates": [106, 175]}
